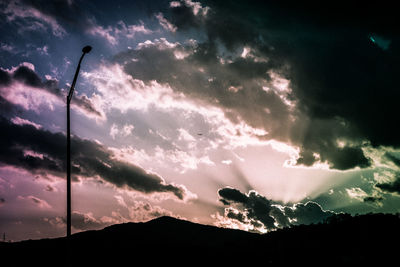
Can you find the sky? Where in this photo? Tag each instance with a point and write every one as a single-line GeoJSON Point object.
{"type": "Point", "coordinates": [253, 115]}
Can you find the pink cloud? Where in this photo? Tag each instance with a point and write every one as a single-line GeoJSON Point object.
{"type": "Point", "coordinates": [28, 90]}
{"type": "Point", "coordinates": [113, 34]}
{"type": "Point", "coordinates": [165, 23]}
{"type": "Point", "coordinates": [28, 97]}
{"type": "Point", "coordinates": [19, 121]}
{"type": "Point", "coordinates": [36, 201]}
{"type": "Point", "coordinates": [16, 10]}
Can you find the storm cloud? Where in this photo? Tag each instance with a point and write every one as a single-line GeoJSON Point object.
{"type": "Point", "coordinates": [393, 158]}
{"type": "Point", "coordinates": [307, 78]}
{"type": "Point", "coordinates": [42, 152]}
{"type": "Point", "coordinates": [261, 213]}
{"type": "Point", "coordinates": [392, 186]}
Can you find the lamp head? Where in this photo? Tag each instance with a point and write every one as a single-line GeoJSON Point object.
{"type": "Point", "coordinates": [86, 49]}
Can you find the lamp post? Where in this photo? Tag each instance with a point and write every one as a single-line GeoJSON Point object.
{"type": "Point", "coordinates": [85, 50]}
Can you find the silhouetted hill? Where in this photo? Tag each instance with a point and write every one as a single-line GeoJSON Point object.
{"type": "Point", "coordinates": [366, 239]}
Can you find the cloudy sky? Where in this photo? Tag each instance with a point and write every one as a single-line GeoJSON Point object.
{"type": "Point", "coordinates": [245, 114]}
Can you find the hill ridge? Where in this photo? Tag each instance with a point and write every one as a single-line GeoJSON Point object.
{"type": "Point", "coordinates": [358, 240]}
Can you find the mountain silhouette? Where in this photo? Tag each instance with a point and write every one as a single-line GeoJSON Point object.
{"type": "Point", "coordinates": [365, 239]}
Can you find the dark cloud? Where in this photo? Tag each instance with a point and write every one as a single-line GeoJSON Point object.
{"type": "Point", "coordinates": [187, 14]}
{"type": "Point", "coordinates": [335, 75]}
{"type": "Point", "coordinates": [343, 85]}
{"type": "Point", "coordinates": [393, 158]}
{"type": "Point", "coordinates": [2, 201]}
{"type": "Point", "coordinates": [345, 158]}
{"type": "Point", "coordinates": [391, 187]}
{"type": "Point", "coordinates": [5, 106]}
{"type": "Point", "coordinates": [5, 78]}
{"type": "Point", "coordinates": [260, 212]}
{"type": "Point", "coordinates": [86, 104]}
{"type": "Point", "coordinates": [257, 208]}
{"type": "Point", "coordinates": [28, 76]}
{"type": "Point", "coordinates": [372, 199]}
{"type": "Point", "coordinates": [89, 159]}
{"type": "Point", "coordinates": [239, 216]}
{"type": "Point", "coordinates": [229, 195]}
{"type": "Point", "coordinates": [307, 213]}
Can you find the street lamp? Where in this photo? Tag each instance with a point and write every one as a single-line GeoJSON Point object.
{"type": "Point", "coordinates": [85, 50]}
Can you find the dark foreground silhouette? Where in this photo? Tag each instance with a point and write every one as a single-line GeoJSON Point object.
{"type": "Point", "coordinates": [367, 239]}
